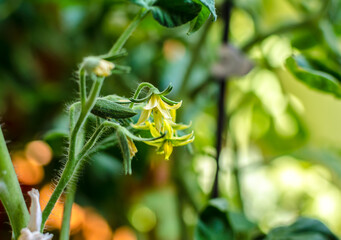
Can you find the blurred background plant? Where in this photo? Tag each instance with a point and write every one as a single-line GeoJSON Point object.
{"type": "Point", "coordinates": [280, 159]}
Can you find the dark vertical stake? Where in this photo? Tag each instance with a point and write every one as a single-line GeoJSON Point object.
{"type": "Point", "coordinates": [226, 11]}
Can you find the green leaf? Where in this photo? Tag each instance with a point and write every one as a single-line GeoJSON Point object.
{"type": "Point", "coordinates": [315, 79]}
{"type": "Point", "coordinates": [207, 7]}
{"type": "Point", "coordinates": [171, 13]}
{"type": "Point", "coordinates": [213, 223]}
{"type": "Point", "coordinates": [210, 5]}
{"type": "Point", "coordinates": [197, 22]}
{"type": "Point", "coordinates": [240, 223]}
{"type": "Point", "coordinates": [303, 228]}
{"type": "Point", "coordinates": [175, 13]}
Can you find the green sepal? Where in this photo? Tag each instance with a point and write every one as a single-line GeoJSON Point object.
{"type": "Point", "coordinates": [120, 69]}
{"type": "Point", "coordinates": [121, 54]}
{"type": "Point", "coordinates": [140, 100]}
{"type": "Point", "coordinates": [167, 100]}
{"type": "Point", "coordinates": [124, 145]}
{"type": "Point", "coordinates": [167, 90]}
{"type": "Point", "coordinates": [109, 109]}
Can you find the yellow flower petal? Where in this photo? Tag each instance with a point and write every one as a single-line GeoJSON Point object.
{"type": "Point", "coordinates": [173, 107]}
{"type": "Point", "coordinates": [168, 149]}
{"type": "Point", "coordinates": [132, 147]}
{"type": "Point", "coordinates": [173, 114]}
{"type": "Point", "coordinates": [178, 126]}
{"type": "Point", "coordinates": [155, 133]}
{"type": "Point", "coordinates": [179, 143]}
{"type": "Point", "coordinates": [152, 103]}
{"type": "Point", "coordinates": [144, 117]}
{"type": "Point", "coordinates": [157, 119]}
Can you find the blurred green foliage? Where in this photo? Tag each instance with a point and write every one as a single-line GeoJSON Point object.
{"type": "Point", "coordinates": [283, 136]}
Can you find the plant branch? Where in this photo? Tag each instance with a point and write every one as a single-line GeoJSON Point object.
{"type": "Point", "coordinates": [82, 86]}
{"type": "Point", "coordinates": [10, 192]}
{"type": "Point", "coordinates": [127, 33]}
{"type": "Point", "coordinates": [72, 163]}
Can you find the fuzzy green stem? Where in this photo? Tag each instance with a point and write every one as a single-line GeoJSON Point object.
{"type": "Point", "coordinates": [72, 163]}
{"type": "Point", "coordinates": [82, 86]}
{"type": "Point", "coordinates": [69, 199]}
{"type": "Point", "coordinates": [92, 141]}
{"type": "Point", "coordinates": [127, 33]}
{"type": "Point", "coordinates": [10, 192]}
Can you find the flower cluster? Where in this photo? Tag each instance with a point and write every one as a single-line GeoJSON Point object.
{"type": "Point", "coordinates": [159, 118]}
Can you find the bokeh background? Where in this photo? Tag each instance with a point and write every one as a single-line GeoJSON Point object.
{"type": "Point", "coordinates": [283, 137]}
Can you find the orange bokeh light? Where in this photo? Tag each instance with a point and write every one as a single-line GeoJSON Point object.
{"type": "Point", "coordinates": [28, 171]}
{"type": "Point", "coordinates": [124, 233]}
{"type": "Point", "coordinates": [173, 50]}
{"type": "Point", "coordinates": [39, 151]}
{"type": "Point", "coordinates": [56, 217]}
{"type": "Point", "coordinates": [95, 226]}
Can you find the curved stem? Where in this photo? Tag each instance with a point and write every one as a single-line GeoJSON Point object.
{"type": "Point", "coordinates": [139, 89]}
{"type": "Point", "coordinates": [127, 33]}
{"type": "Point", "coordinates": [10, 192]}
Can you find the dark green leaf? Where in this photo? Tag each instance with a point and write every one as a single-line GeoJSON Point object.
{"type": "Point", "coordinates": [305, 39]}
{"type": "Point", "coordinates": [210, 4]}
{"type": "Point", "coordinates": [172, 13]}
{"type": "Point", "coordinates": [197, 22]}
{"type": "Point", "coordinates": [213, 223]}
{"type": "Point", "coordinates": [317, 80]}
{"type": "Point", "coordinates": [175, 13]}
{"type": "Point", "coordinates": [303, 228]}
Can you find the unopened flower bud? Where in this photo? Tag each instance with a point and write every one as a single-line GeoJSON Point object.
{"type": "Point", "coordinates": [98, 66]}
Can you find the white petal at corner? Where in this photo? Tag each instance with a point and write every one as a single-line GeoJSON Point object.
{"type": "Point", "coordinates": [26, 234]}
{"type": "Point", "coordinates": [32, 231]}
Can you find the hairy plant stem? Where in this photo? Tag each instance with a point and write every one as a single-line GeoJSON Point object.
{"type": "Point", "coordinates": [10, 192]}
{"type": "Point", "coordinates": [72, 163]}
{"type": "Point", "coordinates": [127, 33]}
{"type": "Point", "coordinates": [69, 199]}
{"type": "Point", "coordinates": [82, 86]}
{"type": "Point", "coordinates": [75, 154]}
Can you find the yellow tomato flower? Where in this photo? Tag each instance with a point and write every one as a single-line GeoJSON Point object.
{"type": "Point", "coordinates": [165, 145]}
{"type": "Point", "coordinates": [160, 109]}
